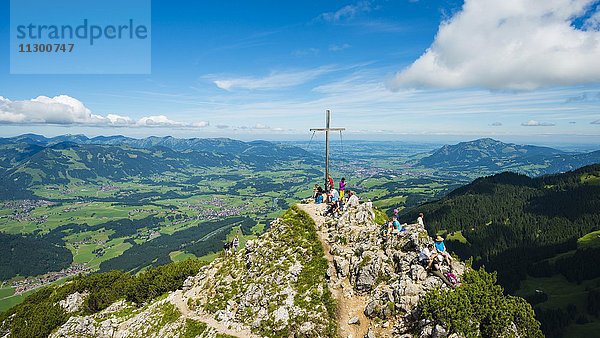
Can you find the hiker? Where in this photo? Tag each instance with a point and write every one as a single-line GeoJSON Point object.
{"type": "Point", "coordinates": [333, 209]}
{"type": "Point", "coordinates": [235, 243]}
{"type": "Point", "coordinates": [342, 188]}
{"type": "Point", "coordinates": [329, 183]}
{"type": "Point", "coordinates": [396, 212]}
{"type": "Point", "coordinates": [436, 270]}
{"type": "Point", "coordinates": [390, 227]}
{"type": "Point", "coordinates": [441, 249]}
{"type": "Point", "coordinates": [395, 225]}
{"type": "Point", "coordinates": [318, 194]}
{"type": "Point", "coordinates": [420, 219]}
{"type": "Point", "coordinates": [335, 195]}
{"type": "Point", "coordinates": [352, 200]}
{"type": "Point", "coordinates": [427, 255]}
{"type": "Point", "coordinates": [335, 200]}
{"type": "Point", "coordinates": [227, 248]}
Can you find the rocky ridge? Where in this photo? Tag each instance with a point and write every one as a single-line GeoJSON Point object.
{"type": "Point", "coordinates": [276, 286]}
{"type": "Point", "coordinates": [380, 271]}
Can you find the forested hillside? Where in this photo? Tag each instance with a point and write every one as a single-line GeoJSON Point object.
{"type": "Point", "coordinates": [514, 224]}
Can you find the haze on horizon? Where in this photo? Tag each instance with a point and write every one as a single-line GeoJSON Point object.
{"type": "Point", "coordinates": [419, 71]}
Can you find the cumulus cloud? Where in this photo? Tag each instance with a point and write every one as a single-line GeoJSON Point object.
{"type": "Point", "coordinates": [274, 80]}
{"type": "Point", "coordinates": [66, 110]}
{"type": "Point", "coordinates": [511, 44]}
{"type": "Point", "coordinates": [534, 123]}
{"type": "Point", "coordinates": [496, 124]}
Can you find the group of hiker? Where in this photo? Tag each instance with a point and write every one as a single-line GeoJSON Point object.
{"type": "Point", "coordinates": [231, 247]}
{"type": "Point", "coordinates": [433, 256]}
{"type": "Point", "coordinates": [336, 199]}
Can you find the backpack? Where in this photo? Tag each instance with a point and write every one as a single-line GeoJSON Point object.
{"type": "Point", "coordinates": [452, 278]}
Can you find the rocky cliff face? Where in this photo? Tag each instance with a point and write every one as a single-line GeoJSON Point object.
{"type": "Point", "coordinates": [302, 278]}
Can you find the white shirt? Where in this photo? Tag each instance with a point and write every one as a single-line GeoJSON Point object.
{"type": "Point", "coordinates": [420, 221]}
{"type": "Point", "coordinates": [352, 201]}
{"type": "Point", "coordinates": [424, 254]}
{"type": "Point", "coordinates": [335, 195]}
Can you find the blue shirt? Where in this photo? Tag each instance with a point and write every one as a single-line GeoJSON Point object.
{"type": "Point", "coordinates": [439, 246]}
{"type": "Point", "coordinates": [396, 224]}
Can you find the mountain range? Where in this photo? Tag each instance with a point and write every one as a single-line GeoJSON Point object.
{"type": "Point", "coordinates": [30, 159]}
{"type": "Point", "coordinates": [490, 155]}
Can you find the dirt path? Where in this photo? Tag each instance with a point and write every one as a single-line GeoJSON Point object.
{"type": "Point", "coordinates": [348, 306]}
{"type": "Point", "coordinates": [220, 327]}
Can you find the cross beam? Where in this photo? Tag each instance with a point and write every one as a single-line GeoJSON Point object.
{"type": "Point", "coordinates": [327, 129]}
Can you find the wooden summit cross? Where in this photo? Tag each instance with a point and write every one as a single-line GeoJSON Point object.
{"type": "Point", "coordinates": [327, 129]}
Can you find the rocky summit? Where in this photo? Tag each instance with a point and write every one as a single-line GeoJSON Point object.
{"type": "Point", "coordinates": [307, 276]}
{"type": "Point", "coordinates": [376, 278]}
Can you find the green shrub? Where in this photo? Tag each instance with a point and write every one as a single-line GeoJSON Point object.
{"type": "Point", "coordinates": [478, 308]}
{"type": "Point", "coordinates": [38, 315]}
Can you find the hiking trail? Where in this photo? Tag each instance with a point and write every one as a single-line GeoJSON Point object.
{"type": "Point", "coordinates": [349, 305]}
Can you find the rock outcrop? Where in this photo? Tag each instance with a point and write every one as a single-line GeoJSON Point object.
{"type": "Point", "coordinates": [73, 302]}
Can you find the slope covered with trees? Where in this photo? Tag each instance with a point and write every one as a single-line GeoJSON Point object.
{"type": "Point", "coordinates": [522, 226]}
{"type": "Point", "coordinates": [29, 256]}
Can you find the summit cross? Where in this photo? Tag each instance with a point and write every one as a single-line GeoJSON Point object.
{"type": "Point", "coordinates": [327, 129]}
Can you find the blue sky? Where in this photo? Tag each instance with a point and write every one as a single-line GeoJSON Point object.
{"type": "Point", "coordinates": [426, 69]}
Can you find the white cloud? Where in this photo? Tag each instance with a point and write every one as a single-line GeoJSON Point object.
{"type": "Point", "coordinates": [120, 120]}
{"type": "Point", "coordinates": [159, 120]}
{"type": "Point", "coordinates": [511, 44]}
{"type": "Point", "coordinates": [337, 48]}
{"type": "Point", "coordinates": [534, 123]}
{"type": "Point", "coordinates": [261, 126]}
{"type": "Point", "coordinates": [274, 80]}
{"type": "Point", "coordinates": [347, 12]}
{"type": "Point", "coordinates": [66, 110]}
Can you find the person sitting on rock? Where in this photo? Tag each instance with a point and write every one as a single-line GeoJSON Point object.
{"type": "Point", "coordinates": [426, 256]}
{"type": "Point", "coordinates": [334, 206]}
{"type": "Point", "coordinates": [396, 225]}
{"type": "Point", "coordinates": [316, 191]}
{"type": "Point", "coordinates": [436, 270]}
{"type": "Point", "coordinates": [318, 194]}
{"type": "Point", "coordinates": [352, 200]}
{"type": "Point", "coordinates": [441, 249]}
{"type": "Point", "coordinates": [335, 195]}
